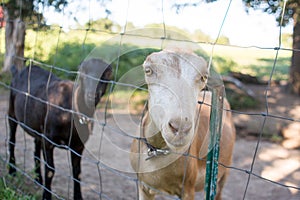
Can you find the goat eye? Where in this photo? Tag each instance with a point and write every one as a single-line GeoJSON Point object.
{"type": "Point", "coordinates": [203, 78]}
{"type": "Point", "coordinates": [148, 71]}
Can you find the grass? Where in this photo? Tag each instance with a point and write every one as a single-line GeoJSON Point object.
{"type": "Point", "coordinates": [7, 193]}
{"type": "Point", "coordinates": [17, 187]}
{"type": "Point", "coordinates": [261, 63]}
{"type": "Point", "coordinates": [265, 67]}
{"type": "Point", "coordinates": [253, 61]}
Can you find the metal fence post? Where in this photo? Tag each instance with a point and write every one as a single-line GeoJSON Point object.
{"type": "Point", "coordinates": [215, 128]}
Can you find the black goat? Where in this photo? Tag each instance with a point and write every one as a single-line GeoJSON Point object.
{"type": "Point", "coordinates": [50, 125]}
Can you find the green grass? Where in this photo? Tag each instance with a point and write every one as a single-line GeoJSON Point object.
{"type": "Point", "coordinates": [253, 61]}
{"type": "Point", "coordinates": [7, 193]}
{"type": "Point", "coordinates": [17, 187]}
{"type": "Point", "coordinates": [265, 67]}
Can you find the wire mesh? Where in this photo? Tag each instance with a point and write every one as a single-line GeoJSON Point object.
{"type": "Point", "coordinates": [101, 182]}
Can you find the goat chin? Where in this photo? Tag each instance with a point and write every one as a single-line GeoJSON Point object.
{"type": "Point", "coordinates": [178, 145]}
{"type": "Point", "coordinates": [179, 142]}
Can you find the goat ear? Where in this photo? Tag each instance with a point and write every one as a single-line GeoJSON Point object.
{"type": "Point", "coordinates": [107, 75]}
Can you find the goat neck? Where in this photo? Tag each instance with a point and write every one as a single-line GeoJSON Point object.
{"type": "Point", "coordinates": [83, 112]}
{"type": "Point", "coordinates": [152, 137]}
{"type": "Point", "coordinates": [79, 103]}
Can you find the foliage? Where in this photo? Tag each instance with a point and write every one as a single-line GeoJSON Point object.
{"type": "Point", "coordinates": [199, 35]}
{"type": "Point", "coordinates": [131, 59]}
{"type": "Point", "coordinates": [28, 10]}
{"type": "Point", "coordinates": [239, 100]}
{"type": "Point", "coordinates": [17, 187]}
{"type": "Point", "coordinates": [223, 40]}
{"type": "Point", "coordinates": [104, 24]}
{"type": "Point", "coordinates": [173, 32]}
{"type": "Point", "coordinates": [10, 194]}
{"type": "Point", "coordinates": [68, 56]}
{"type": "Point", "coordinates": [31, 11]}
{"type": "Point", "coordinates": [269, 6]}
{"type": "Point", "coordinates": [275, 7]}
{"type": "Point", "coordinates": [181, 5]}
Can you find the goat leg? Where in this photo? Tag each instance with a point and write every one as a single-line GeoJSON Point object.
{"type": "Point", "coordinates": [76, 159]}
{"type": "Point", "coordinates": [37, 161]}
{"type": "Point", "coordinates": [12, 142]}
{"type": "Point", "coordinates": [49, 171]}
{"type": "Point", "coordinates": [145, 193]}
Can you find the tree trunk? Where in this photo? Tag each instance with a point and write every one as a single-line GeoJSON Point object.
{"type": "Point", "coordinates": [14, 43]}
{"type": "Point", "coordinates": [295, 65]}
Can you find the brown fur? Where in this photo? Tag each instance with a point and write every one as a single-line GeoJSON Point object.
{"type": "Point", "coordinates": [187, 172]}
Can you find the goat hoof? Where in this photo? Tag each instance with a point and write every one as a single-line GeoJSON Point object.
{"type": "Point", "coordinates": [12, 171]}
{"type": "Point", "coordinates": [78, 197]}
{"type": "Point", "coordinates": [47, 195]}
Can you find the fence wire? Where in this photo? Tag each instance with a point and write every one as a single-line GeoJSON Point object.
{"type": "Point", "coordinates": [97, 184]}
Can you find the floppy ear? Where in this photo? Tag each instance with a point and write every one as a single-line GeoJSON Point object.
{"type": "Point", "coordinates": [107, 75]}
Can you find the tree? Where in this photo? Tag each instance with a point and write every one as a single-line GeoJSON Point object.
{"type": "Point", "coordinates": [275, 7]}
{"type": "Point", "coordinates": [199, 35]}
{"type": "Point", "coordinates": [292, 11]}
{"type": "Point", "coordinates": [104, 24]}
{"type": "Point", "coordinates": [16, 12]}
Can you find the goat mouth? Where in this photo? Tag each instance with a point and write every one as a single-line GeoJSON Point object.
{"type": "Point", "coordinates": [177, 141]}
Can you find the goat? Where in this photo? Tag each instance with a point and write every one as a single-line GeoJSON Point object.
{"type": "Point", "coordinates": [50, 125]}
{"type": "Point", "coordinates": [170, 155]}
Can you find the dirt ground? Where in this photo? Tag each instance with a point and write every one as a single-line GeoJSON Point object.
{"type": "Point", "coordinates": [112, 177]}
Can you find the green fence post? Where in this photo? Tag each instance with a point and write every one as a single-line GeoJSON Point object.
{"type": "Point", "coordinates": [215, 128]}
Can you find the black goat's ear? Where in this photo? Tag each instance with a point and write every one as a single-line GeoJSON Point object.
{"type": "Point", "coordinates": [107, 75]}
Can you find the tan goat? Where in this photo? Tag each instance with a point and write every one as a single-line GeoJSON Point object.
{"type": "Point", "coordinates": [175, 124]}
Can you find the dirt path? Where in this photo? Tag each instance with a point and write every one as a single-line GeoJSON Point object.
{"type": "Point", "coordinates": [112, 175]}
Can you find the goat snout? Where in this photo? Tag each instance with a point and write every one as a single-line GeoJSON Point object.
{"type": "Point", "coordinates": [180, 126]}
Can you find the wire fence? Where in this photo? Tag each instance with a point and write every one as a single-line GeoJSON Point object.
{"type": "Point", "coordinates": [106, 171]}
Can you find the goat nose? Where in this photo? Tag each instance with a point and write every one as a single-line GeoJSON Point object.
{"type": "Point", "coordinates": [180, 126]}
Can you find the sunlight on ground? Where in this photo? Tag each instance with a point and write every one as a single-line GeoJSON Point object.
{"type": "Point", "coordinates": [295, 110]}
{"type": "Point", "coordinates": [281, 160]}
